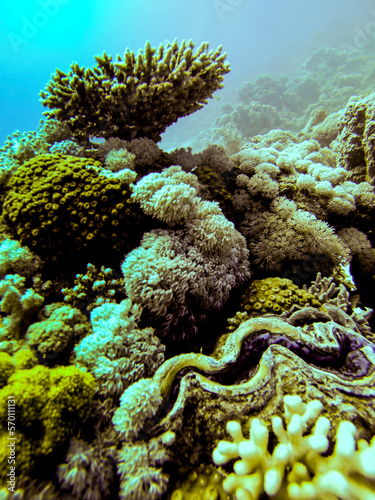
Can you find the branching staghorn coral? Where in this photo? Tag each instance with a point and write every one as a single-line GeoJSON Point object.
{"type": "Point", "coordinates": [137, 96]}
{"type": "Point", "coordinates": [22, 146]}
{"type": "Point", "coordinates": [347, 474]}
{"type": "Point", "coordinates": [326, 291]}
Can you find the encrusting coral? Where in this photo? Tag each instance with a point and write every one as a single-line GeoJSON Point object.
{"type": "Point", "coordinates": [347, 474]}
{"type": "Point", "coordinates": [205, 483]}
{"type": "Point", "coordinates": [138, 96]}
{"type": "Point", "coordinates": [270, 296]}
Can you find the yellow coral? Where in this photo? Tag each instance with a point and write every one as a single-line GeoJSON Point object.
{"type": "Point", "coordinates": [270, 296]}
{"type": "Point", "coordinates": [7, 368]}
{"type": "Point", "coordinates": [57, 204]}
{"type": "Point", "coordinates": [204, 483]}
{"type": "Point", "coordinates": [51, 404]}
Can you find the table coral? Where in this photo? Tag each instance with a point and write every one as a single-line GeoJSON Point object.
{"type": "Point", "coordinates": [137, 96]}
{"type": "Point", "coordinates": [56, 204]}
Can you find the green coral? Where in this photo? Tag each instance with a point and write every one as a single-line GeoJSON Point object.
{"type": "Point", "coordinates": [270, 296]}
{"type": "Point", "coordinates": [58, 204]}
{"type": "Point", "coordinates": [7, 368]}
{"type": "Point", "coordinates": [51, 405]}
{"type": "Point", "coordinates": [139, 96]}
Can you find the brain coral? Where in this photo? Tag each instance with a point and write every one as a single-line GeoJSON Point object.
{"type": "Point", "coordinates": [58, 204]}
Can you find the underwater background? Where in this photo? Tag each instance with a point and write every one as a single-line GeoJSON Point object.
{"type": "Point", "coordinates": [187, 250]}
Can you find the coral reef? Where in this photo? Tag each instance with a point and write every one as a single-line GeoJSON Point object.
{"type": "Point", "coordinates": [270, 296]}
{"type": "Point", "coordinates": [205, 482]}
{"type": "Point", "coordinates": [246, 295]}
{"type": "Point", "coordinates": [53, 338]}
{"type": "Point", "coordinates": [172, 272]}
{"type": "Point", "coordinates": [89, 470]}
{"type": "Point", "coordinates": [19, 306]}
{"type": "Point", "coordinates": [250, 373]}
{"type": "Point", "coordinates": [94, 288]}
{"type": "Point", "coordinates": [357, 139]}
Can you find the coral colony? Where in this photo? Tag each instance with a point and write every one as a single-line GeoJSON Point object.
{"type": "Point", "coordinates": [179, 325]}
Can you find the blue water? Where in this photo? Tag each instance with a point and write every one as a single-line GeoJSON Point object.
{"type": "Point", "coordinates": [274, 36]}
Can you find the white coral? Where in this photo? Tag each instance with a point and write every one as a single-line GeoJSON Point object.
{"type": "Point", "coordinates": [345, 475]}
